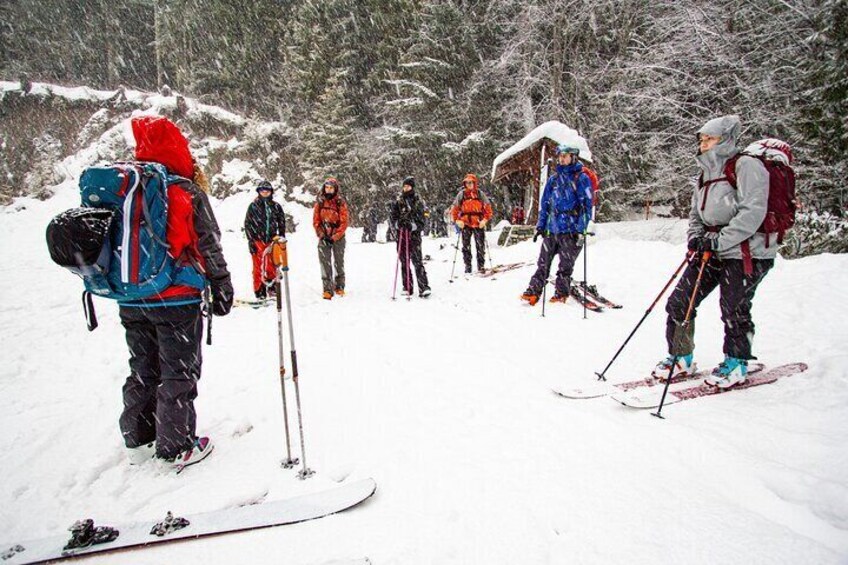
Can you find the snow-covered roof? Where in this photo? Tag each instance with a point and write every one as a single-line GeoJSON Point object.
{"type": "Point", "coordinates": [558, 132]}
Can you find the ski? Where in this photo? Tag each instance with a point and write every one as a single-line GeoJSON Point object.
{"type": "Point", "coordinates": [583, 299]}
{"type": "Point", "coordinates": [592, 292]}
{"type": "Point", "coordinates": [650, 398]}
{"type": "Point", "coordinates": [597, 389]}
{"type": "Point", "coordinates": [255, 303]}
{"type": "Point", "coordinates": [503, 268]}
{"type": "Point", "coordinates": [87, 539]}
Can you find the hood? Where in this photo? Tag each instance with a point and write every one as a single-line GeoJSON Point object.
{"type": "Point", "coordinates": [729, 129]}
{"type": "Point", "coordinates": [158, 139]}
{"type": "Point", "coordinates": [473, 178]}
{"type": "Point", "coordinates": [330, 180]}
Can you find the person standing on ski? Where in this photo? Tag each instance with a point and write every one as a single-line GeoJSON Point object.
{"type": "Point", "coordinates": [263, 222]}
{"type": "Point", "coordinates": [471, 211]}
{"type": "Point", "coordinates": [330, 220]}
{"type": "Point", "coordinates": [723, 221]}
{"type": "Point", "coordinates": [164, 333]}
{"type": "Point", "coordinates": [564, 213]}
{"type": "Point", "coordinates": [407, 215]}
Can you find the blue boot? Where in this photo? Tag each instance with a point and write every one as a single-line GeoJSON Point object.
{"type": "Point", "coordinates": [732, 371]}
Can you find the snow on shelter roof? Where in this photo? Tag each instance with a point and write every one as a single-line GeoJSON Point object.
{"type": "Point", "coordinates": [558, 132]}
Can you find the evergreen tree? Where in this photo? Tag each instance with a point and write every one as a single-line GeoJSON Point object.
{"type": "Point", "coordinates": [328, 139]}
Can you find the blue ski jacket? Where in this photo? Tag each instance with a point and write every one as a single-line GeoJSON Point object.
{"type": "Point", "coordinates": [566, 205]}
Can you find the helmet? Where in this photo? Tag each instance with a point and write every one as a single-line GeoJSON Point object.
{"type": "Point", "coordinates": [331, 181]}
{"type": "Point", "coordinates": [264, 185]}
{"type": "Point", "coordinates": [567, 149]}
{"type": "Point", "coordinates": [410, 181]}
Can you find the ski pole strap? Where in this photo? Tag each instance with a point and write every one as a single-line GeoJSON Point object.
{"type": "Point", "coordinates": [88, 309]}
{"type": "Point", "coordinates": [206, 311]}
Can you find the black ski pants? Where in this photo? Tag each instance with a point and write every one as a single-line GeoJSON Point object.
{"type": "Point", "coordinates": [736, 294]}
{"type": "Point", "coordinates": [479, 242]}
{"type": "Point", "coordinates": [165, 361]}
{"type": "Point", "coordinates": [567, 246]}
{"type": "Point", "coordinates": [409, 255]}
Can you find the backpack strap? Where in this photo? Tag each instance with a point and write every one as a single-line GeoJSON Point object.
{"type": "Point", "coordinates": [146, 211]}
{"type": "Point", "coordinates": [729, 176]}
{"type": "Point", "coordinates": [88, 310]}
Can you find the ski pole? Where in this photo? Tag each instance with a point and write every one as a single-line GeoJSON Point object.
{"type": "Point", "coordinates": [602, 374]}
{"type": "Point", "coordinates": [488, 252]}
{"type": "Point", "coordinates": [544, 296]}
{"type": "Point", "coordinates": [704, 259]}
{"type": "Point", "coordinates": [585, 266]}
{"type": "Point", "coordinates": [408, 265]}
{"type": "Point", "coordinates": [397, 264]}
{"type": "Point", "coordinates": [288, 462]}
{"type": "Point", "coordinates": [455, 253]}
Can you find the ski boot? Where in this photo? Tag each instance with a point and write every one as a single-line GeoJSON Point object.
{"type": "Point", "coordinates": [340, 292]}
{"type": "Point", "coordinates": [142, 453]}
{"type": "Point", "coordinates": [731, 372]}
{"type": "Point", "coordinates": [683, 367]}
{"type": "Point", "coordinates": [557, 297]}
{"type": "Point", "coordinates": [261, 294]}
{"type": "Point", "coordinates": [199, 451]}
{"type": "Point", "coordinates": [425, 293]}
{"type": "Point", "coordinates": [530, 297]}
{"type": "Point", "coordinates": [327, 295]}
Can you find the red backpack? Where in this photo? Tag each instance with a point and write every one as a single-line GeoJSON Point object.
{"type": "Point", "coordinates": [776, 155]}
{"type": "Point", "coordinates": [593, 178]}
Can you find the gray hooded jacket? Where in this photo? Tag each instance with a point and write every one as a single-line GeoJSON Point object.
{"type": "Point", "coordinates": [740, 211]}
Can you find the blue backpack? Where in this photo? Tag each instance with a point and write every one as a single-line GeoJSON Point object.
{"type": "Point", "coordinates": [117, 242]}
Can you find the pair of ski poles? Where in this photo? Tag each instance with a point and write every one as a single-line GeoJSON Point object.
{"type": "Point", "coordinates": [279, 257]}
{"type": "Point", "coordinates": [705, 257]}
{"type": "Point", "coordinates": [403, 239]}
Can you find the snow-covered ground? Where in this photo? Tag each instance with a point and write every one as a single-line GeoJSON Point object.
{"type": "Point", "coordinates": [447, 404]}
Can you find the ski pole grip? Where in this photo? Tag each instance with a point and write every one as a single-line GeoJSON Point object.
{"type": "Point", "coordinates": [280, 254]}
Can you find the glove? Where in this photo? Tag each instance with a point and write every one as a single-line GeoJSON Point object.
{"type": "Point", "coordinates": [705, 243]}
{"type": "Point", "coordinates": [251, 245]}
{"type": "Point", "coordinates": [328, 240]}
{"type": "Point", "coordinates": [591, 229]}
{"type": "Point", "coordinates": [482, 224]}
{"type": "Point", "coordinates": [537, 234]}
{"type": "Point", "coordinates": [460, 224]}
{"type": "Point", "coordinates": [222, 297]}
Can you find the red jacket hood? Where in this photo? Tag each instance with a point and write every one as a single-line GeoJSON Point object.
{"type": "Point", "coordinates": [158, 139]}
